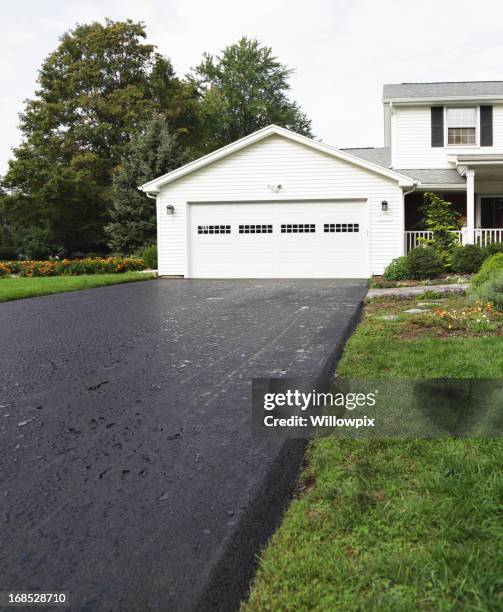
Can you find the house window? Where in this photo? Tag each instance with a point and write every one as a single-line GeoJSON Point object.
{"type": "Point", "coordinates": [298, 228]}
{"type": "Point", "coordinates": [330, 228]}
{"type": "Point", "coordinates": [255, 229]}
{"type": "Point", "coordinates": [461, 126]}
{"type": "Point", "coordinates": [213, 229]}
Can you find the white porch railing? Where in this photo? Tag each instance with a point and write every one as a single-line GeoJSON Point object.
{"type": "Point", "coordinates": [483, 237]}
{"type": "Point", "coordinates": [413, 239]}
{"type": "Point", "coordinates": [487, 236]}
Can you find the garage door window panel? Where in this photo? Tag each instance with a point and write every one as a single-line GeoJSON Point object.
{"type": "Point", "coordinates": [255, 229]}
{"type": "Point", "coordinates": [341, 228]}
{"type": "Point", "coordinates": [213, 229]}
{"type": "Point", "coordinates": [298, 228]}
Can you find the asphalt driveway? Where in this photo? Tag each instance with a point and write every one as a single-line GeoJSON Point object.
{"type": "Point", "coordinates": [128, 473]}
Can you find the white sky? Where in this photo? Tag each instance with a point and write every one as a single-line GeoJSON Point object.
{"type": "Point", "coordinates": [342, 50]}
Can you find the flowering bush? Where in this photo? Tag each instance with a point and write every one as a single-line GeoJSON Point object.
{"type": "Point", "coordinates": [89, 265]}
{"type": "Point", "coordinates": [37, 268]}
{"type": "Point", "coordinates": [479, 317]}
{"type": "Point", "coordinates": [5, 269]}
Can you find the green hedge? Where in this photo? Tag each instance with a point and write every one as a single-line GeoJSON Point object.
{"type": "Point", "coordinates": [490, 291]}
{"type": "Point", "coordinates": [490, 268]}
{"type": "Point", "coordinates": [467, 259]}
{"type": "Point", "coordinates": [424, 263]}
{"type": "Point", "coordinates": [397, 270]}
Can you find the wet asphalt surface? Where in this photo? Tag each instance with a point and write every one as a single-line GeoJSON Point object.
{"type": "Point", "coordinates": [128, 472]}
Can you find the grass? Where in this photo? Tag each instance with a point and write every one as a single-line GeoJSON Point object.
{"type": "Point", "coordinates": [395, 525]}
{"type": "Point", "coordinates": [16, 288]}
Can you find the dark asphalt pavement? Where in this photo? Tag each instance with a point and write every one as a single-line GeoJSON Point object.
{"type": "Point", "coordinates": [128, 473]}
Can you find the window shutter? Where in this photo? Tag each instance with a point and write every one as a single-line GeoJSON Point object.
{"type": "Point", "coordinates": [437, 126]}
{"type": "Point", "coordinates": [486, 126]}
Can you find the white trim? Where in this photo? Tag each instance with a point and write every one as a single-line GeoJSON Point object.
{"type": "Point", "coordinates": [436, 99]}
{"type": "Point", "coordinates": [283, 199]}
{"type": "Point", "coordinates": [441, 187]}
{"type": "Point", "coordinates": [154, 185]}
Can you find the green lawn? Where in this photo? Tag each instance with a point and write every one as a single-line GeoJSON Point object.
{"type": "Point", "coordinates": [15, 288]}
{"type": "Point", "coordinates": [395, 525]}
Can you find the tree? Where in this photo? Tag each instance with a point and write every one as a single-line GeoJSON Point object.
{"type": "Point", "coordinates": [96, 91]}
{"type": "Point", "coordinates": [150, 154]}
{"type": "Point", "coordinates": [243, 90]}
{"type": "Point", "coordinates": [441, 219]}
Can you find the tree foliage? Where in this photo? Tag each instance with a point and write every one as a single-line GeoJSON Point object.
{"type": "Point", "coordinates": [441, 219]}
{"type": "Point", "coordinates": [74, 173]}
{"type": "Point", "coordinates": [245, 89]}
{"type": "Point", "coordinates": [96, 91]}
{"type": "Point", "coordinates": [150, 154]}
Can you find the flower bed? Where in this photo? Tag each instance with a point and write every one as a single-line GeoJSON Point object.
{"type": "Point", "coordinates": [72, 267]}
{"type": "Point", "coordinates": [477, 317]}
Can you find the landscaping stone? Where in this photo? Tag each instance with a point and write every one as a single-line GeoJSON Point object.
{"type": "Point", "coordinates": [389, 317]}
{"type": "Point", "coordinates": [418, 290]}
{"type": "Point", "coordinates": [415, 310]}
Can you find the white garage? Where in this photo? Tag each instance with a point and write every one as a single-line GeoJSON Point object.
{"type": "Point", "coordinates": [278, 240]}
{"type": "Point", "coordinates": [278, 205]}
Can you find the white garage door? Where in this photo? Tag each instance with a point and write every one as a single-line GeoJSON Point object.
{"type": "Point", "coordinates": [278, 240]}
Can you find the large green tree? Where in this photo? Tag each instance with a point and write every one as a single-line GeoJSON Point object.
{"type": "Point", "coordinates": [244, 89]}
{"type": "Point", "coordinates": [152, 153]}
{"type": "Point", "coordinates": [96, 91]}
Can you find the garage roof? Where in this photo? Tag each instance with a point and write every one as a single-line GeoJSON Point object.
{"type": "Point", "coordinates": [154, 185]}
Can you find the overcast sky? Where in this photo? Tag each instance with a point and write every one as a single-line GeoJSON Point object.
{"type": "Point", "coordinates": [342, 50]}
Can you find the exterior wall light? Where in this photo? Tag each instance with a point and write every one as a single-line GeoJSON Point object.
{"type": "Point", "coordinates": [170, 209]}
{"type": "Point", "coordinates": [384, 206]}
{"type": "Point", "coordinates": [275, 188]}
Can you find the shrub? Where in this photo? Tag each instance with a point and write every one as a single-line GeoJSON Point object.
{"type": "Point", "coordinates": [467, 259]}
{"type": "Point", "coordinates": [37, 268]}
{"type": "Point", "coordinates": [424, 263]}
{"type": "Point", "coordinates": [149, 256]}
{"type": "Point", "coordinates": [442, 220]}
{"type": "Point", "coordinates": [493, 248]}
{"type": "Point", "coordinates": [108, 265]}
{"type": "Point", "coordinates": [15, 266]}
{"type": "Point", "coordinates": [397, 270]}
{"type": "Point", "coordinates": [490, 268]}
{"type": "Point", "coordinates": [5, 269]}
{"type": "Point", "coordinates": [491, 291]}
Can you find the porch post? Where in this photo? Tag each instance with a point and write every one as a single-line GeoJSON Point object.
{"type": "Point", "coordinates": [470, 207]}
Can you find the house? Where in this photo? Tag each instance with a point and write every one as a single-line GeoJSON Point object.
{"type": "Point", "coordinates": [276, 204]}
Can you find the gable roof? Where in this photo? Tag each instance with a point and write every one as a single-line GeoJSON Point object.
{"type": "Point", "coordinates": [446, 90]}
{"type": "Point", "coordinates": [154, 185]}
{"type": "Point", "coordinates": [423, 176]}
{"type": "Point", "coordinates": [377, 155]}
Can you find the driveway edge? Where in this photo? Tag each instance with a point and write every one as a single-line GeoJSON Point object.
{"type": "Point", "coordinates": [229, 579]}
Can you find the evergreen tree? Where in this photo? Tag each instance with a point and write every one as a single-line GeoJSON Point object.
{"type": "Point", "coordinates": [150, 154]}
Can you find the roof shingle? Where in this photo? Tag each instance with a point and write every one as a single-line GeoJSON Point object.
{"type": "Point", "coordinates": [427, 176]}
{"type": "Point", "coordinates": [438, 90]}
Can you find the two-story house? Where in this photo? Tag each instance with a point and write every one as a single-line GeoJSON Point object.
{"type": "Point", "coordinates": [275, 204]}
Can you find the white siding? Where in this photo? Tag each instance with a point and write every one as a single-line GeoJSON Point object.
{"type": "Point", "coordinates": [411, 139]}
{"type": "Point", "coordinates": [305, 174]}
